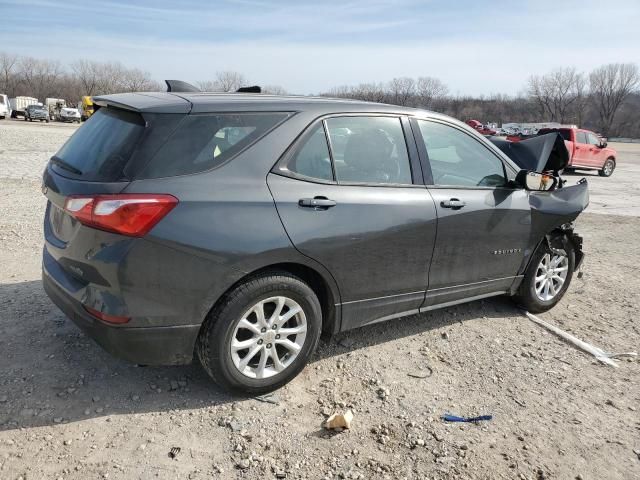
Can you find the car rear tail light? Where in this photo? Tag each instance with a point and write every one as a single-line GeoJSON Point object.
{"type": "Point", "coordinates": [106, 318]}
{"type": "Point", "coordinates": [130, 214]}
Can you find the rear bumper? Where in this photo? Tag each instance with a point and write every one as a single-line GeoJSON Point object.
{"type": "Point", "coordinates": [173, 345]}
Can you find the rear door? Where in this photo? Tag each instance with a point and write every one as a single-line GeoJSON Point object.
{"type": "Point", "coordinates": [350, 195]}
{"type": "Point", "coordinates": [483, 224]}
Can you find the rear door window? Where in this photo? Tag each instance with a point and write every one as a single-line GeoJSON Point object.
{"type": "Point", "coordinates": [102, 147]}
{"type": "Point", "coordinates": [369, 150]}
{"type": "Point", "coordinates": [311, 159]}
{"type": "Point", "coordinates": [202, 142]}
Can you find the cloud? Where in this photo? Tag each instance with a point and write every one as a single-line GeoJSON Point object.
{"type": "Point", "coordinates": [309, 48]}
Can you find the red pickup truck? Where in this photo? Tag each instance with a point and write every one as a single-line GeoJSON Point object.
{"type": "Point", "coordinates": [483, 129]}
{"type": "Point", "coordinates": [586, 150]}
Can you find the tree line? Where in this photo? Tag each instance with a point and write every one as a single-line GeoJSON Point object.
{"type": "Point", "coordinates": [606, 99]}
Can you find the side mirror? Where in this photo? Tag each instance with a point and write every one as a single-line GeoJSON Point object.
{"type": "Point", "coordinates": [534, 181]}
{"type": "Point", "coordinates": [603, 144]}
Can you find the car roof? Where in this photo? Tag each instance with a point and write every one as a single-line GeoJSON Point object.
{"type": "Point", "coordinates": [169, 102]}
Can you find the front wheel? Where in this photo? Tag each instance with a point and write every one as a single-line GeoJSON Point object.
{"type": "Point", "coordinates": [546, 279]}
{"type": "Point", "coordinates": [261, 334]}
{"type": "Point", "coordinates": [608, 168]}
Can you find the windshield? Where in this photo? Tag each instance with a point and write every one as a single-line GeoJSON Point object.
{"type": "Point", "coordinates": [102, 147]}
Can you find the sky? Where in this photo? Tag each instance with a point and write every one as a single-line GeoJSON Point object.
{"type": "Point", "coordinates": [476, 47]}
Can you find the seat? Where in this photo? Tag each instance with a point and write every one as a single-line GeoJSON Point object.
{"type": "Point", "coordinates": [368, 158]}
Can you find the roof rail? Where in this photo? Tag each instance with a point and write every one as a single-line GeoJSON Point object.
{"type": "Point", "coordinates": [180, 86]}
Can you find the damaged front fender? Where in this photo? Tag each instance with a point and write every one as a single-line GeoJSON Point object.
{"type": "Point", "coordinates": [552, 216]}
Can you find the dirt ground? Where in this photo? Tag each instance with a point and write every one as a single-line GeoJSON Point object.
{"type": "Point", "coordinates": [68, 410]}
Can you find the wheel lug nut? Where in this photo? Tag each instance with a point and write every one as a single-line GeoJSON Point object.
{"type": "Point", "coordinates": [275, 327]}
{"type": "Point", "coordinates": [268, 345]}
{"type": "Point", "coordinates": [263, 329]}
{"type": "Point", "coordinates": [260, 342]}
{"type": "Point", "coordinates": [277, 337]}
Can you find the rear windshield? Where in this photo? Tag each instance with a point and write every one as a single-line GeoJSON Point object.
{"type": "Point", "coordinates": [203, 142]}
{"type": "Point", "coordinates": [101, 148]}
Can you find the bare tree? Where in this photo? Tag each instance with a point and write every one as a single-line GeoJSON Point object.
{"type": "Point", "coordinates": [135, 80]}
{"type": "Point", "coordinates": [228, 81]}
{"type": "Point", "coordinates": [555, 92]}
{"type": "Point", "coordinates": [274, 90]}
{"type": "Point", "coordinates": [39, 76]}
{"type": "Point", "coordinates": [402, 90]}
{"type": "Point", "coordinates": [610, 85]}
{"type": "Point", "coordinates": [207, 85]}
{"type": "Point", "coordinates": [8, 63]}
{"type": "Point", "coordinates": [88, 74]}
{"type": "Point", "coordinates": [429, 90]}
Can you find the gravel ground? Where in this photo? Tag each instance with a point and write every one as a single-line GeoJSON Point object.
{"type": "Point", "coordinates": [69, 410]}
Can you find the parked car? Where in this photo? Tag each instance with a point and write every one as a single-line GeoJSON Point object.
{"type": "Point", "coordinates": [482, 129]}
{"type": "Point", "coordinates": [5, 108]}
{"type": "Point", "coordinates": [18, 105]}
{"type": "Point", "coordinates": [587, 150]}
{"type": "Point", "coordinates": [36, 112]}
{"type": "Point", "coordinates": [68, 114]}
{"type": "Point", "coordinates": [231, 227]}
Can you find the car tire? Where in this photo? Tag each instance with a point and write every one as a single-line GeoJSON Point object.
{"type": "Point", "coordinates": [529, 295]}
{"type": "Point", "coordinates": [226, 329]}
{"type": "Point", "coordinates": [608, 168]}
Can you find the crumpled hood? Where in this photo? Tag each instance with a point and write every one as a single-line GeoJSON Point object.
{"type": "Point", "coordinates": [539, 154]}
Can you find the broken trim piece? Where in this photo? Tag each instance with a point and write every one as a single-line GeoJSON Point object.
{"type": "Point", "coordinates": [587, 347]}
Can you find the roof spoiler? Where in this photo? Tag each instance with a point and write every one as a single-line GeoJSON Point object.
{"type": "Point", "coordinates": [180, 86]}
{"type": "Point", "coordinates": [253, 89]}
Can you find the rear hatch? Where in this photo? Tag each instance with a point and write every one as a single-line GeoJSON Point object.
{"type": "Point", "coordinates": [92, 161]}
{"type": "Point", "coordinates": [101, 158]}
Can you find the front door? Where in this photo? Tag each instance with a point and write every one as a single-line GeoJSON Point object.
{"type": "Point", "coordinates": [581, 149]}
{"type": "Point", "coordinates": [595, 157]}
{"type": "Point", "coordinates": [483, 224]}
{"type": "Point", "coordinates": [352, 205]}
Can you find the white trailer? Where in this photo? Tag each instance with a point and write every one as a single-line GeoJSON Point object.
{"type": "Point", "coordinates": [20, 104]}
{"type": "Point", "coordinates": [5, 109]}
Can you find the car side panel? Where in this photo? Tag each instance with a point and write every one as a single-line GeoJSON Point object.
{"type": "Point", "coordinates": [479, 248]}
{"type": "Point", "coordinates": [376, 241]}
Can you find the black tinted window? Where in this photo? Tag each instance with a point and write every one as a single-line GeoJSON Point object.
{"type": "Point", "coordinates": [202, 142]}
{"type": "Point", "coordinates": [101, 148]}
{"type": "Point", "coordinates": [458, 159]}
{"type": "Point", "coordinates": [312, 159]}
{"type": "Point", "coordinates": [369, 150]}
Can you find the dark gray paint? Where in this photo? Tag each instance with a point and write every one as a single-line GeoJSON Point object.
{"type": "Point", "coordinates": [373, 250]}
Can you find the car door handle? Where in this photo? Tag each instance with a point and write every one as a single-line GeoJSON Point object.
{"type": "Point", "coordinates": [317, 203]}
{"type": "Point", "coordinates": [452, 203]}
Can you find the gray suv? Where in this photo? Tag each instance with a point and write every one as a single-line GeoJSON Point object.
{"type": "Point", "coordinates": [239, 227]}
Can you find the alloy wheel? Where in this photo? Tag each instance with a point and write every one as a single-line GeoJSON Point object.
{"type": "Point", "coordinates": [551, 275]}
{"type": "Point", "coordinates": [608, 168]}
{"type": "Point", "coordinates": [268, 337]}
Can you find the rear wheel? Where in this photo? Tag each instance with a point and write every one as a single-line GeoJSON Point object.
{"type": "Point", "coordinates": [261, 334]}
{"type": "Point", "coordinates": [608, 168]}
{"type": "Point", "coordinates": [546, 280]}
